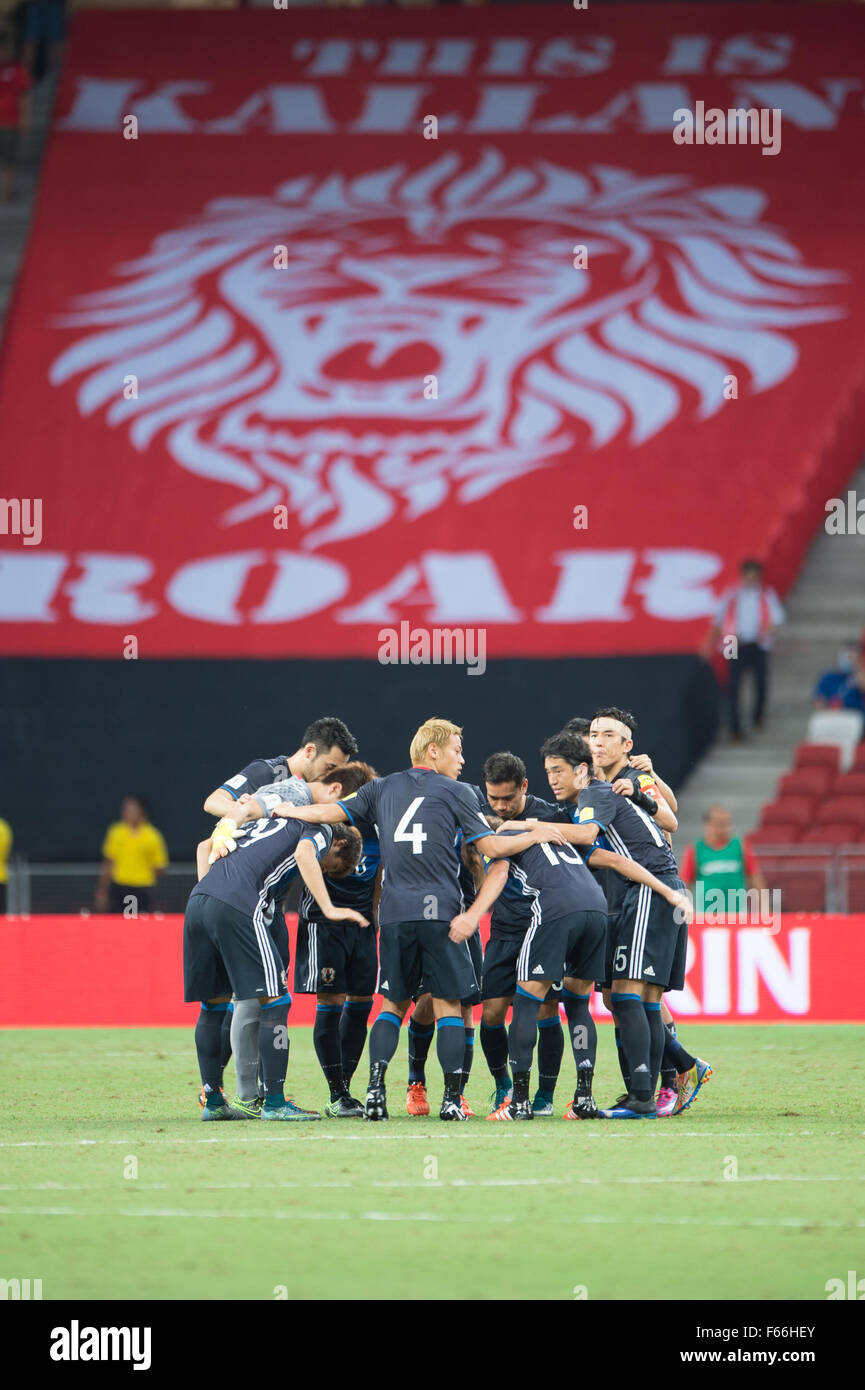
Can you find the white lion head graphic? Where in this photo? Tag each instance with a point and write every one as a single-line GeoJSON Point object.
{"type": "Point", "coordinates": [303, 385]}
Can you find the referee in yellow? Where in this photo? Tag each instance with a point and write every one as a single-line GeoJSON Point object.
{"type": "Point", "coordinates": [5, 847]}
{"type": "Point", "coordinates": [133, 858]}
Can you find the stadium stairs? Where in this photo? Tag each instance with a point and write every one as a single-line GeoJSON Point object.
{"type": "Point", "coordinates": [15, 216]}
{"type": "Point", "coordinates": [825, 607]}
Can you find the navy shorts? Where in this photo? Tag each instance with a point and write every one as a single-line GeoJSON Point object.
{"type": "Point", "coordinates": [644, 939]}
{"type": "Point", "coordinates": [416, 957]}
{"type": "Point", "coordinates": [226, 952]}
{"type": "Point", "coordinates": [335, 958]}
{"type": "Point", "coordinates": [571, 945]}
{"type": "Point", "coordinates": [499, 980]}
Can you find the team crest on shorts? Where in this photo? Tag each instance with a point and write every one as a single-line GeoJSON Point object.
{"type": "Point", "coordinates": [328, 975]}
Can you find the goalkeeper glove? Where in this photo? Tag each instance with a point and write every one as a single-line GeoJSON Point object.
{"type": "Point", "coordinates": [222, 841]}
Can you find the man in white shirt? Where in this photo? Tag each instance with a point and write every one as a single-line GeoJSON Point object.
{"type": "Point", "coordinates": [749, 611]}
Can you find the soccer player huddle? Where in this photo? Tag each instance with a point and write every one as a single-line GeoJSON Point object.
{"type": "Point", "coordinates": [397, 872]}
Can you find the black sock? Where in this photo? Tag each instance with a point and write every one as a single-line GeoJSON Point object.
{"type": "Point", "coordinates": [383, 1037]}
{"type": "Point", "coordinates": [551, 1047]}
{"type": "Point", "coordinates": [225, 1040]}
{"type": "Point", "coordinates": [522, 1032]}
{"type": "Point", "coordinates": [581, 1026]}
{"type": "Point", "coordinates": [674, 1053]}
{"type": "Point", "coordinates": [468, 1056]}
{"type": "Point", "coordinates": [325, 1039]}
{"type": "Point", "coordinates": [522, 1080]}
{"type": "Point", "coordinates": [494, 1044]}
{"type": "Point", "coordinates": [634, 1028]}
{"type": "Point", "coordinates": [450, 1050]}
{"type": "Point", "coordinates": [208, 1045]}
{"type": "Point", "coordinates": [668, 1066]}
{"type": "Point", "coordinates": [623, 1061]}
{"type": "Point", "coordinates": [420, 1037]}
{"type": "Point", "coordinates": [273, 1050]}
{"type": "Point", "coordinates": [657, 1036]}
{"type": "Point", "coordinates": [352, 1034]}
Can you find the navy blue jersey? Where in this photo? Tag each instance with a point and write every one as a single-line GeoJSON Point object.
{"type": "Point", "coordinates": [627, 831]}
{"type": "Point", "coordinates": [512, 910]}
{"type": "Point", "coordinates": [418, 815]}
{"type": "Point", "coordinates": [554, 880]}
{"type": "Point", "coordinates": [255, 876]}
{"type": "Point", "coordinates": [357, 888]}
{"type": "Point", "coordinates": [259, 773]}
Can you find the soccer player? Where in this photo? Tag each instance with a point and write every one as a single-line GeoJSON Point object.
{"type": "Point", "coordinates": [228, 947]}
{"type": "Point", "coordinates": [419, 813]}
{"type": "Point", "coordinates": [643, 934]}
{"type": "Point", "coordinates": [611, 739]}
{"type": "Point", "coordinates": [326, 745]}
{"type": "Point", "coordinates": [342, 781]}
{"type": "Point", "coordinates": [338, 961]}
{"type": "Point", "coordinates": [508, 797]}
{"type": "Point", "coordinates": [421, 1027]}
{"type": "Point", "coordinates": [565, 940]}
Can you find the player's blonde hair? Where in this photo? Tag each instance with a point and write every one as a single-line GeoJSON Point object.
{"type": "Point", "coordinates": [434, 730]}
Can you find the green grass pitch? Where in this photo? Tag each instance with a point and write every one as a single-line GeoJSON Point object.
{"type": "Point", "coordinates": [110, 1186]}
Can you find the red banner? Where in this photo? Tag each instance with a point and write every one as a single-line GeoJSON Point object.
{"type": "Point", "coordinates": [534, 319]}
{"type": "Point", "coordinates": [109, 972]}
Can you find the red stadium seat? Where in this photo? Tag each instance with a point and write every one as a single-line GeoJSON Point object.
{"type": "Point", "coordinates": [859, 758]}
{"type": "Point", "coordinates": [793, 810]}
{"type": "Point", "coordinates": [773, 836]}
{"type": "Point", "coordinates": [854, 865]}
{"type": "Point", "coordinates": [836, 834]}
{"type": "Point", "coordinates": [839, 810]}
{"type": "Point", "coordinates": [808, 781]}
{"type": "Point", "coordinates": [818, 755]}
{"type": "Point", "coordinates": [849, 784]}
{"type": "Point", "coordinates": [802, 886]}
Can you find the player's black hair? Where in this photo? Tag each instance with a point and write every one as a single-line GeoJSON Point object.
{"type": "Point", "coordinates": [570, 747]}
{"type": "Point", "coordinates": [624, 716]}
{"type": "Point", "coordinates": [504, 767]}
{"type": "Point", "coordinates": [345, 850]}
{"type": "Point", "coordinates": [350, 777]}
{"type": "Point", "coordinates": [751, 564]}
{"type": "Point", "coordinates": [326, 732]}
{"type": "Point", "coordinates": [578, 725]}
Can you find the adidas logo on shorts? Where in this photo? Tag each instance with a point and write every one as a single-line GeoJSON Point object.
{"type": "Point", "coordinates": [538, 970]}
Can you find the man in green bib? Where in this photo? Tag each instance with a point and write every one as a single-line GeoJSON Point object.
{"type": "Point", "coordinates": [720, 870]}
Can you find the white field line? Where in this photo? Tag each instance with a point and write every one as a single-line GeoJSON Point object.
{"type": "Point", "coordinates": [133, 1185]}
{"type": "Point", "coordinates": [242, 1135]}
{"type": "Point", "coordinates": [199, 1214]}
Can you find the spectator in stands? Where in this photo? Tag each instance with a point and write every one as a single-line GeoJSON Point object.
{"type": "Point", "coordinates": [844, 687]}
{"type": "Point", "coordinates": [45, 30]}
{"type": "Point", "coordinates": [5, 847]}
{"type": "Point", "coordinates": [749, 612]}
{"type": "Point", "coordinates": [14, 112]}
{"type": "Point", "coordinates": [720, 862]}
{"type": "Point", "coordinates": [133, 858]}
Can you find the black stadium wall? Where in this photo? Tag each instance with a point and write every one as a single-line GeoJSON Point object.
{"type": "Point", "coordinates": [77, 735]}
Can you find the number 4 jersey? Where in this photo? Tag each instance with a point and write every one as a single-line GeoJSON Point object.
{"type": "Point", "coordinates": [418, 815]}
